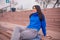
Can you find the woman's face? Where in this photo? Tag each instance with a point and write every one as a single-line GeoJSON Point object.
{"type": "Point", "coordinates": [34, 9]}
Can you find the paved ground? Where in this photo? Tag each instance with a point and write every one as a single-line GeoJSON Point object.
{"type": "Point", "coordinates": [6, 30]}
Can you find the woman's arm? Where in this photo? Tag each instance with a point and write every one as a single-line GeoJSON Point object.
{"type": "Point", "coordinates": [43, 24]}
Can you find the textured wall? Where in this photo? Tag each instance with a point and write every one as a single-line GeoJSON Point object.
{"type": "Point", "coordinates": [16, 17]}
{"type": "Point", "coordinates": [53, 18]}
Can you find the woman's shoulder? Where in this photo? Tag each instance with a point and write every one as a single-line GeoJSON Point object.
{"type": "Point", "coordinates": [33, 14]}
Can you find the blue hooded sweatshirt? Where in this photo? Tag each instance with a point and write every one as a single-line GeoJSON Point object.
{"type": "Point", "coordinates": [35, 23]}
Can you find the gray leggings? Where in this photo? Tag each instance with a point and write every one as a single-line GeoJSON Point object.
{"type": "Point", "coordinates": [23, 33]}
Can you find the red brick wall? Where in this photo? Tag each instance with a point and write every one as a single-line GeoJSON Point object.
{"type": "Point", "coordinates": [53, 18]}
{"type": "Point", "coordinates": [22, 18]}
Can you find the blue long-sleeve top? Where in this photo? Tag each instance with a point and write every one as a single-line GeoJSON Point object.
{"type": "Point", "coordinates": [35, 23]}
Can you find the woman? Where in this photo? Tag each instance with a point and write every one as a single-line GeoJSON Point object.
{"type": "Point", "coordinates": [37, 21]}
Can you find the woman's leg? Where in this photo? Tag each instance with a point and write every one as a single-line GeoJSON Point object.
{"type": "Point", "coordinates": [29, 34]}
{"type": "Point", "coordinates": [37, 37]}
{"type": "Point", "coordinates": [16, 33]}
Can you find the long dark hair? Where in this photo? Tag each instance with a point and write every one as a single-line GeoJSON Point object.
{"type": "Point", "coordinates": [39, 11]}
